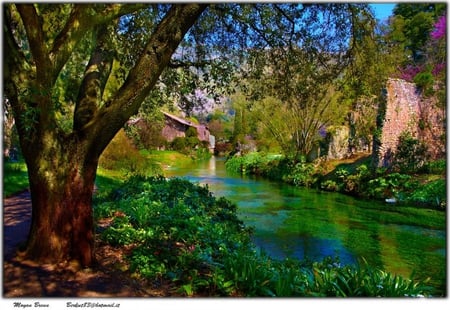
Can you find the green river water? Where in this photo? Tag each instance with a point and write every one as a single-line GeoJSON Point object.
{"type": "Point", "coordinates": [304, 223]}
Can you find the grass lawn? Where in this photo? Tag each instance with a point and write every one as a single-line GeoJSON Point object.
{"type": "Point", "coordinates": [15, 178]}
{"type": "Point", "coordinates": [167, 158]}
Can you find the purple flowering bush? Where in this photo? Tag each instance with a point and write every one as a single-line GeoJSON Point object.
{"type": "Point", "coordinates": [435, 65]}
{"type": "Point", "coordinates": [409, 72]}
{"type": "Point", "coordinates": [440, 28]}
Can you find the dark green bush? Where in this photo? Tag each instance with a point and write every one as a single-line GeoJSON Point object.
{"type": "Point", "coordinates": [436, 167]}
{"type": "Point", "coordinates": [411, 154]}
{"type": "Point", "coordinates": [425, 81]}
{"type": "Point", "coordinates": [179, 144]}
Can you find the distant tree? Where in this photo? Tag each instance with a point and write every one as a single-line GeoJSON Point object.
{"type": "Point", "coordinates": [294, 93]}
{"type": "Point", "coordinates": [412, 24]}
{"type": "Point", "coordinates": [376, 59]}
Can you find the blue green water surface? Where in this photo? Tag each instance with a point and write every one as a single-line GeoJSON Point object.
{"type": "Point", "coordinates": [309, 224]}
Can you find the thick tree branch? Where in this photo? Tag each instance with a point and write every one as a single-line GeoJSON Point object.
{"type": "Point", "coordinates": [35, 37]}
{"type": "Point", "coordinates": [142, 78]}
{"type": "Point", "coordinates": [95, 76]}
{"type": "Point", "coordinates": [82, 19]}
{"type": "Point", "coordinates": [11, 50]}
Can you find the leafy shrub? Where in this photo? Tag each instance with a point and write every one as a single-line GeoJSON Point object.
{"type": "Point", "coordinates": [121, 154]}
{"type": "Point", "coordinates": [329, 185]}
{"type": "Point", "coordinates": [354, 183]}
{"type": "Point", "coordinates": [362, 281]}
{"type": "Point", "coordinates": [121, 232]}
{"type": "Point", "coordinates": [191, 145]}
{"type": "Point", "coordinates": [425, 81]}
{"type": "Point", "coordinates": [179, 144]}
{"type": "Point", "coordinates": [390, 185]}
{"type": "Point", "coordinates": [179, 230]}
{"type": "Point", "coordinates": [275, 167]}
{"type": "Point", "coordinates": [436, 167]}
{"type": "Point", "coordinates": [433, 193]}
{"type": "Point", "coordinates": [235, 164]}
{"type": "Point", "coordinates": [251, 163]}
{"type": "Point", "coordinates": [411, 154]}
{"type": "Point", "coordinates": [303, 174]}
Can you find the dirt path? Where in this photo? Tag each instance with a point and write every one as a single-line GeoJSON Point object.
{"type": "Point", "coordinates": [16, 222]}
{"type": "Point", "coordinates": [22, 278]}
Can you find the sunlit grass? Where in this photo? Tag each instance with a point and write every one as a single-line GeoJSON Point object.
{"type": "Point", "coordinates": [108, 180]}
{"type": "Point", "coordinates": [168, 158]}
{"type": "Point", "coordinates": [15, 178]}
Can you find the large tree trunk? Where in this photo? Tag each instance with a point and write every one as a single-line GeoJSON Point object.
{"type": "Point", "coordinates": [61, 185]}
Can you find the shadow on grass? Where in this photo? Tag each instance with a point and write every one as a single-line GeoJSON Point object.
{"type": "Point", "coordinates": [349, 165]}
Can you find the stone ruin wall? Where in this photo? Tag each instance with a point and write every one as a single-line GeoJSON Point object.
{"type": "Point", "coordinates": [337, 142]}
{"type": "Point", "coordinates": [407, 110]}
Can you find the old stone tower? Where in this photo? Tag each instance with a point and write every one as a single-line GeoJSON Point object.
{"type": "Point", "coordinates": [407, 110]}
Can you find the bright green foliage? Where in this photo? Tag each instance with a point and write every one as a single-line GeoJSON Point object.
{"type": "Point", "coordinates": [179, 232]}
{"type": "Point", "coordinates": [392, 185]}
{"type": "Point", "coordinates": [250, 163]}
{"type": "Point", "coordinates": [437, 167]}
{"type": "Point", "coordinates": [353, 183]}
{"type": "Point", "coordinates": [356, 180]}
{"type": "Point", "coordinates": [425, 81]}
{"type": "Point", "coordinates": [179, 229]}
{"type": "Point", "coordinates": [416, 20]}
{"type": "Point", "coordinates": [303, 174]}
{"type": "Point", "coordinates": [191, 146]}
{"type": "Point", "coordinates": [434, 193]}
{"type": "Point", "coordinates": [15, 178]}
{"type": "Point", "coordinates": [330, 279]}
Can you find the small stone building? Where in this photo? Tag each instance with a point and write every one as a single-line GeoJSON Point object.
{"type": "Point", "coordinates": [176, 127]}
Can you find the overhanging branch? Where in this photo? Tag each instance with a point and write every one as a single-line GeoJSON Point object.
{"type": "Point", "coordinates": [143, 76]}
{"type": "Point", "coordinates": [82, 19]}
{"type": "Point", "coordinates": [35, 37]}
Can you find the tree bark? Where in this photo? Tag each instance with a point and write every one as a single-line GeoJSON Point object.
{"type": "Point", "coordinates": [61, 183]}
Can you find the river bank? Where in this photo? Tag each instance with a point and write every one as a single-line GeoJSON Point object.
{"type": "Point", "coordinates": [355, 177]}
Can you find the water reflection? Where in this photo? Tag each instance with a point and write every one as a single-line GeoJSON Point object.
{"type": "Point", "coordinates": [300, 223]}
